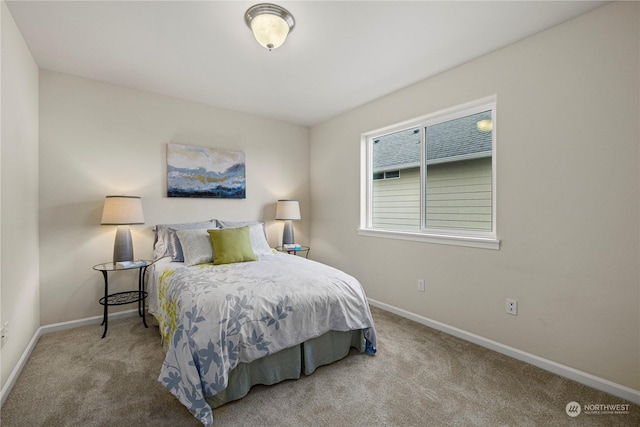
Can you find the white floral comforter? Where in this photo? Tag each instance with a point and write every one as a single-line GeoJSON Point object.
{"type": "Point", "coordinates": [213, 317]}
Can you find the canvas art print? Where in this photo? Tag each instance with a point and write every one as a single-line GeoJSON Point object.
{"type": "Point", "coordinates": [205, 172]}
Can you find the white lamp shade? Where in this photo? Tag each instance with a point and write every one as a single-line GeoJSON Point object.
{"type": "Point", "coordinates": [288, 209]}
{"type": "Point", "coordinates": [122, 210]}
{"type": "Point", "coordinates": [269, 30]}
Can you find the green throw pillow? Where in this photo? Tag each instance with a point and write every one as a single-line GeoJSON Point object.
{"type": "Point", "coordinates": [231, 245]}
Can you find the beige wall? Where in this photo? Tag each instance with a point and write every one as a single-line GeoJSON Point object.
{"type": "Point", "coordinates": [19, 281]}
{"type": "Point", "coordinates": [98, 139]}
{"type": "Point", "coordinates": [567, 192]}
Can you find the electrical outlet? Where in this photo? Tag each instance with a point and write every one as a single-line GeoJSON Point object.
{"type": "Point", "coordinates": [4, 332]}
{"type": "Point", "coordinates": [512, 306]}
{"type": "Point", "coordinates": [421, 285]}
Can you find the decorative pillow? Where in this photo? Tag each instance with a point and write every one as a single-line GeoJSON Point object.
{"type": "Point", "coordinates": [258, 240]}
{"type": "Point", "coordinates": [161, 243]}
{"type": "Point", "coordinates": [175, 248]}
{"type": "Point", "coordinates": [231, 245]}
{"type": "Point", "coordinates": [196, 246]}
{"type": "Point", "coordinates": [258, 243]}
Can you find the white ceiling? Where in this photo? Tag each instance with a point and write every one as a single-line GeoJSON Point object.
{"type": "Point", "coordinates": [341, 54]}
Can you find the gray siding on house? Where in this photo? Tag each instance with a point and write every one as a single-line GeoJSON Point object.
{"type": "Point", "coordinates": [396, 202]}
{"type": "Point", "coordinates": [458, 197]}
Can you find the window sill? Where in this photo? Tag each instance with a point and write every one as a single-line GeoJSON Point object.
{"type": "Point", "coordinates": [468, 241]}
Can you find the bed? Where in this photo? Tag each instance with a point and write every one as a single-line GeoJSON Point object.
{"type": "Point", "coordinates": [232, 313]}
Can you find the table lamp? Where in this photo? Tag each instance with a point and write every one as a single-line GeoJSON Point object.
{"type": "Point", "coordinates": [122, 211]}
{"type": "Point", "coordinates": [288, 210]}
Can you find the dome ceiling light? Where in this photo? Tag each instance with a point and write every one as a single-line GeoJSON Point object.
{"type": "Point", "coordinates": [269, 23]}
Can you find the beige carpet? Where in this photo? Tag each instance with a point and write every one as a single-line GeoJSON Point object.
{"type": "Point", "coordinates": [419, 377]}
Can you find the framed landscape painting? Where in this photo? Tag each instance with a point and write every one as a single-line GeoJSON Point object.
{"type": "Point", "coordinates": [205, 172]}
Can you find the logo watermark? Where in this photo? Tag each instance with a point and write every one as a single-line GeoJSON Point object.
{"type": "Point", "coordinates": [573, 409]}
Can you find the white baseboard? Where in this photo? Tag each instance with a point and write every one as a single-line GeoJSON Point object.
{"type": "Point", "coordinates": [96, 320]}
{"type": "Point", "coordinates": [6, 389]}
{"type": "Point", "coordinates": [43, 330]}
{"type": "Point", "coordinates": [585, 378]}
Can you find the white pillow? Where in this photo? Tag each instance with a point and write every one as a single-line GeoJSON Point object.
{"type": "Point", "coordinates": [258, 240]}
{"type": "Point", "coordinates": [161, 244]}
{"type": "Point", "coordinates": [196, 246]}
{"type": "Point", "coordinates": [236, 224]}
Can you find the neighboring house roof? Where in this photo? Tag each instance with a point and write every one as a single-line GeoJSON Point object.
{"type": "Point", "coordinates": [400, 150]}
{"type": "Point", "coordinates": [449, 141]}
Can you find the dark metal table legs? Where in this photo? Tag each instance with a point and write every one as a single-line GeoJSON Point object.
{"type": "Point", "coordinates": [127, 297]}
{"type": "Point", "coordinates": [141, 295]}
{"type": "Point", "coordinates": [105, 316]}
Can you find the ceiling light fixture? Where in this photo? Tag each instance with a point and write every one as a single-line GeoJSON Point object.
{"type": "Point", "coordinates": [269, 23]}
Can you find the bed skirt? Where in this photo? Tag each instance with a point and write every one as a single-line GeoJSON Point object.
{"type": "Point", "coordinates": [289, 364]}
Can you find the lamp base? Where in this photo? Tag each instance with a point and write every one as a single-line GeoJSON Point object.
{"type": "Point", "coordinates": [287, 233]}
{"type": "Point", "coordinates": [123, 246]}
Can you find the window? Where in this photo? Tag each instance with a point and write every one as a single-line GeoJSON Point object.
{"type": "Point", "coordinates": [444, 186]}
{"type": "Point", "coordinates": [386, 175]}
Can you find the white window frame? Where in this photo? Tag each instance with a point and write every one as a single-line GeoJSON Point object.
{"type": "Point", "coordinates": [469, 238]}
